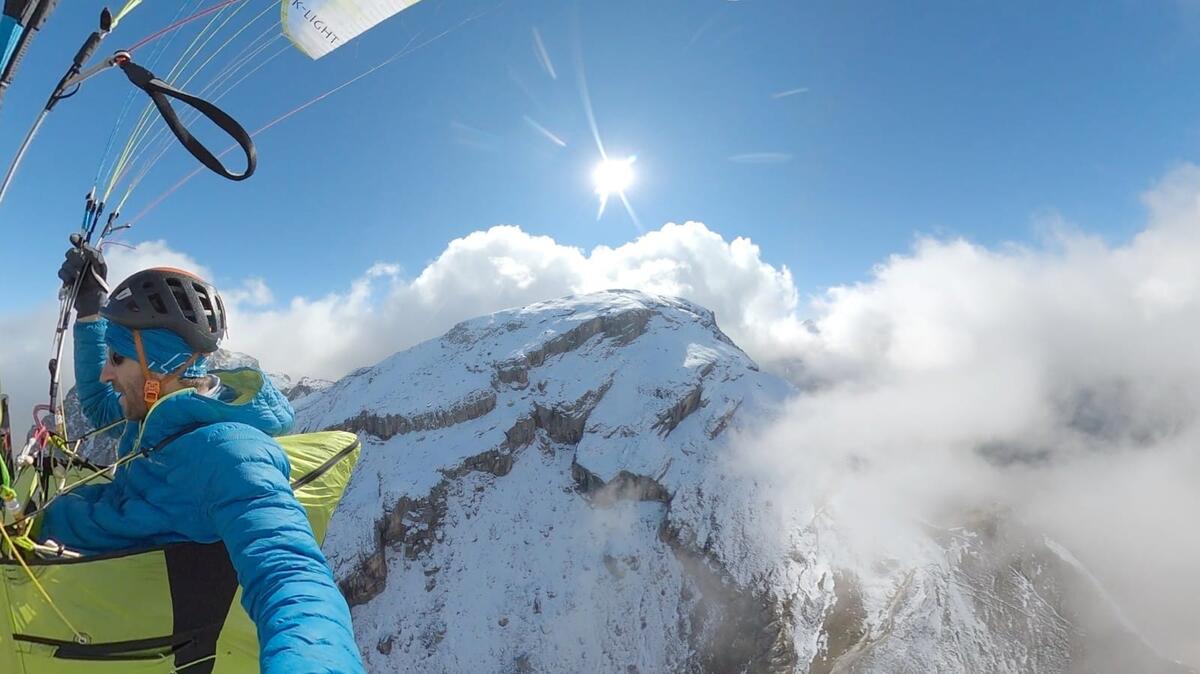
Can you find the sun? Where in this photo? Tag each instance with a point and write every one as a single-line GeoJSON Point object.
{"type": "Point", "coordinates": [612, 176]}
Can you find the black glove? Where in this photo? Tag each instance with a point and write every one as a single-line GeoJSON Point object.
{"type": "Point", "coordinates": [93, 290]}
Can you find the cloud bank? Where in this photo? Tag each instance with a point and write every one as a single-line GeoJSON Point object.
{"type": "Point", "coordinates": [1057, 385]}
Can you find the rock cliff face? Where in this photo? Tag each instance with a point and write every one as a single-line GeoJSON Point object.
{"type": "Point", "coordinates": [551, 489]}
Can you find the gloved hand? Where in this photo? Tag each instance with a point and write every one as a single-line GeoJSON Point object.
{"type": "Point", "coordinates": [93, 290]}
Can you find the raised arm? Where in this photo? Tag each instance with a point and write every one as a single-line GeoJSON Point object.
{"type": "Point", "coordinates": [84, 269]}
{"type": "Point", "coordinates": [98, 400]}
{"type": "Point", "coordinates": [287, 587]}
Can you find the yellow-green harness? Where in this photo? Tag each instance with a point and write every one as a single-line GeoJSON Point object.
{"type": "Point", "coordinates": [170, 609]}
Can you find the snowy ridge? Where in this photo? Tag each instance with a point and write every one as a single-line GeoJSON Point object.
{"type": "Point", "coordinates": [548, 489]}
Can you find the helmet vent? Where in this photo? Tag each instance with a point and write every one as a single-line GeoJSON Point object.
{"type": "Point", "coordinates": [181, 299]}
{"type": "Point", "coordinates": [206, 306]}
{"type": "Point", "coordinates": [156, 301]}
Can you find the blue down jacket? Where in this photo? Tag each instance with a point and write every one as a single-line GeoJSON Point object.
{"type": "Point", "coordinates": [227, 480]}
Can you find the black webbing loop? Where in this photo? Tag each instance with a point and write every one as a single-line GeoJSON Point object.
{"type": "Point", "coordinates": [160, 91]}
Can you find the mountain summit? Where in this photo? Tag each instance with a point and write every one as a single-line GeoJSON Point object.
{"type": "Point", "coordinates": [525, 479]}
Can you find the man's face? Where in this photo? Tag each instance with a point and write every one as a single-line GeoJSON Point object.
{"type": "Point", "coordinates": [126, 378]}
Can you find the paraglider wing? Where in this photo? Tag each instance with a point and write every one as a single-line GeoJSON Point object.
{"type": "Point", "coordinates": [317, 27]}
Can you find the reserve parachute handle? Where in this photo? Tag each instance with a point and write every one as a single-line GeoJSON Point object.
{"type": "Point", "coordinates": [160, 92]}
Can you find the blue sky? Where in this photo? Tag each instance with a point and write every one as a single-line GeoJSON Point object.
{"type": "Point", "coordinates": [970, 119]}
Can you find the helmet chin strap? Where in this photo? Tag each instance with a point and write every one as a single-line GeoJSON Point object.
{"type": "Point", "coordinates": [153, 386]}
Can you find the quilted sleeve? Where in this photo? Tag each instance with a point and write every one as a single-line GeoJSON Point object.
{"type": "Point", "coordinates": [288, 589]}
{"type": "Point", "coordinates": [98, 400]}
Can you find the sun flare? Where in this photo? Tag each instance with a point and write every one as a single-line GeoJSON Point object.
{"type": "Point", "coordinates": [613, 176]}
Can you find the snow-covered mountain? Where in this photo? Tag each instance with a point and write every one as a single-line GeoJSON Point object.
{"type": "Point", "coordinates": [293, 389]}
{"type": "Point", "coordinates": [551, 489]}
{"type": "Point", "coordinates": [296, 389]}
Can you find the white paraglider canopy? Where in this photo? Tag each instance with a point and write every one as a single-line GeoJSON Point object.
{"type": "Point", "coordinates": [317, 27]}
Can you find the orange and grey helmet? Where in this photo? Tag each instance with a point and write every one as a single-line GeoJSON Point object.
{"type": "Point", "coordinates": [170, 299]}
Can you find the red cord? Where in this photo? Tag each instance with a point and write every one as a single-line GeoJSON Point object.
{"type": "Point", "coordinates": [180, 23]}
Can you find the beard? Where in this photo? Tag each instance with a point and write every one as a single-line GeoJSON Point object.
{"type": "Point", "coordinates": [132, 407]}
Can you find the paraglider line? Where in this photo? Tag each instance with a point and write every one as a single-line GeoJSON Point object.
{"type": "Point", "coordinates": [181, 23]}
{"type": "Point", "coordinates": [112, 136]}
{"type": "Point", "coordinates": [405, 51]}
{"type": "Point", "coordinates": [134, 147]}
{"type": "Point", "coordinates": [137, 147]}
{"type": "Point", "coordinates": [45, 595]}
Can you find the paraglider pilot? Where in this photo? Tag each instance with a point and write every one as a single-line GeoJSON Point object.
{"type": "Point", "coordinates": [215, 473]}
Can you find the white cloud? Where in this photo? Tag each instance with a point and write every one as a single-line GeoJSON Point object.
{"type": "Point", "coordinates": [789, 92]}
{"type": "Point", "coordinates": [382, 311]}
{"type": "Point", "coordinates": [1077, 358]}
{"type": "Point", "coordinates": [505, 267]}
{"type": "Point", "coordinates": [253, 292]}
{"type": "Point", "coordinates": [124, 261]}
{"type": "Point", "coordinates": [23, 361]}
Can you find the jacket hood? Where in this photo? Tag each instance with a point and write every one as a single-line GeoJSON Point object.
{"type": "Point", "coordinates": [257, 403]}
